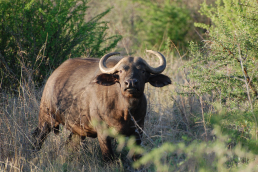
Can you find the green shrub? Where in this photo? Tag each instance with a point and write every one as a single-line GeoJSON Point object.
{"type": "Point", "coordinates": [36, 36]}
{"type": "Point", "coordinates": [214, 155]}
{"type": "Point", "coordinates": [160, 22]}
{"type": "Point", "coordinates": [225, 67]}
{"type": "Point", "coordinates": [238, 125]}
{"type": "Point", "coordinates": [229, 56]}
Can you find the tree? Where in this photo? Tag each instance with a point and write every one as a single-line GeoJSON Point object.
{"type": "Point", "coordinates": [225, 66]}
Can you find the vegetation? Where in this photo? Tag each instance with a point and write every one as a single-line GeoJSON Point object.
{"type": "Point", "coordinates": [206, 120]}
{"type": "Point", "coordinates": [37, 36]}
{"type": "Point", "coordinates": [162, 21]}
{"type": "Point", "coordinates": [225, 67]}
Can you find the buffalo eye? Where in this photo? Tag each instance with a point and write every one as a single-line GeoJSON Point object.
{"type": "Point", "coordinates": [143, 71]}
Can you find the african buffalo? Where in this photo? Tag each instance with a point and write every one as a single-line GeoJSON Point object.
{"type": "Point", "coordinates": [109, 90]}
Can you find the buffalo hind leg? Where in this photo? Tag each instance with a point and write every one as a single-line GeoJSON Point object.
{"type": "Point", "coordinates": [106, 148]}
{"type": "Point", "coordinates": [40, 136]}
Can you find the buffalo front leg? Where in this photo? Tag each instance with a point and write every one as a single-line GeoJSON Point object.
{"type": "Point", "coordinates": [138, 136]}
{"type": "Point", "coordinates": [106, 149]}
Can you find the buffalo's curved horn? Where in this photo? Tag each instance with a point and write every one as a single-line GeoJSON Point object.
{"type": "Point", "coordinates": [102, 63]}
{"type": "Point", "coordinates": [162, 63]}
{"type": "Point", "coordinates": [159, 69]}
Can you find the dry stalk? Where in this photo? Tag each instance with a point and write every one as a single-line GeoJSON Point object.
{"type": "Point", "coordinates": [183, 112]}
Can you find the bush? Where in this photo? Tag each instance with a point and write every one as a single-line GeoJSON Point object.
{"type": "Point", "coordinates": [160, 22]}
{"type": "Point", "coordinates": [227, 61]}
{"type": "Point", "coordinates": [225, 66]}
{"type": "Point", "coordinates": [200, 156]}
{"type": "Point", "coordinates": [36, 36]}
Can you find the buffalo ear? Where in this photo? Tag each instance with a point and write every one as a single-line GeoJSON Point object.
{"type": "Point", "coordinates": [106, 79]}
{"type": "Point", "coordinates": [159, 80]}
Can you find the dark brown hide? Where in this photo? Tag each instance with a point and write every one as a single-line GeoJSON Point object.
{"type": "Point", "coordinates": [77, 93]}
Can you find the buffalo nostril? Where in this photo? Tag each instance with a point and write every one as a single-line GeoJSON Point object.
{"type": "Point", "coordinates": [131, 83]}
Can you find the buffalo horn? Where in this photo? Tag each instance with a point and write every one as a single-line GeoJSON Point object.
{"type": "Point", "coordinates": [102, 63]}
{"type": "Point", "coordinates": [162, 63]}
{"type": "Point", "coordinates": [159, 69]}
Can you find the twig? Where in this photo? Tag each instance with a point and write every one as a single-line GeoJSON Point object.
{"type": "Point", "coordinates": [247, 80]}
{"type": "Point", "coordinates": [136, 124]}
{"type": "Point", "coordinates": [250, 83]}
{"type": "Point", "coordinates": [203, 119]}
{"type": "Point", "coordinates": [181, 56]}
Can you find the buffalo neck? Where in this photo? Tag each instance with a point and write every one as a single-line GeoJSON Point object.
{"type": "Point", "coordinates": [132, 103]}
